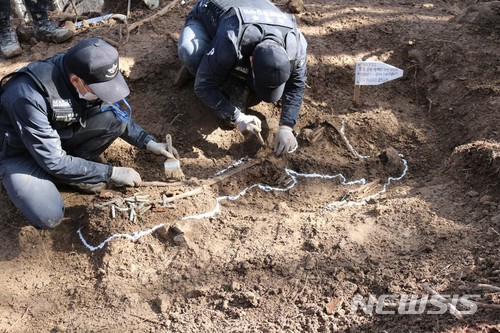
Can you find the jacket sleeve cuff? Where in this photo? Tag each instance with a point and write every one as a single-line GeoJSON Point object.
{"type": "Point", "coordinates": [290, 124]}
{"type": "Point", "coordinates": [110, 172]}
{"type": "Point", "coordinates": [236, 114]}
{"type": "Point", "coordinates": [148, 139]}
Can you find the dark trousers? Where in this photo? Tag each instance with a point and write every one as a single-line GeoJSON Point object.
{"type": "Point", "coordinates": [101, 129]}
{"type": "Point", "coordinates": [32, 189]}
{"type": "Point", "coordinates": [37, 8]}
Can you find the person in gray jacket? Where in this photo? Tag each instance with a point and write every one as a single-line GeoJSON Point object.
{"type": "Point", "coordinates": [56, 117]}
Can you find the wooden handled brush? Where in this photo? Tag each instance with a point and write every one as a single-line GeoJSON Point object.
{"type": "Point", "coordinates": [172, 165]}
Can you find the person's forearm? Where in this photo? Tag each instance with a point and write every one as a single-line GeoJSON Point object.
{"type": "Point", "coordinates": [292, 101]}
{"type": "Point", "coordinates": [207, 91]}
{"type": "Point", "coordinates": [135, 135]}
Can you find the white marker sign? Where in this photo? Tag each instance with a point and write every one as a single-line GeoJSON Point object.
{"type": "Point", "coordinates": [370, 73]}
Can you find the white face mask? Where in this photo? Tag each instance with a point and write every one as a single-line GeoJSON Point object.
{"type": "Point", "coordinates": [88, 95]}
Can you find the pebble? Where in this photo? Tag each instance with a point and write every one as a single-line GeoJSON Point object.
{"type": "Point", "coordinates": [334, 305]}
{"type": "Point", "coordinates": [310, 263]}
{"type": "Point", "coordinates": [486, 199]}
{"type": "Point", "coordinates": [235, 286]}
{"type": "Point", "coordinates": [179, 240]}
{"type": "Point", "coordinates": [163, 302]}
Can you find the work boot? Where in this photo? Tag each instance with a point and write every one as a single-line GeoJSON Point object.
{"type": "Point", "coordinates": [47, 32]}
{"type": "Point", "coordinates": [8, 42]}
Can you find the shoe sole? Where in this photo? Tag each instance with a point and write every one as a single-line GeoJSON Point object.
{"type": "Point", "coordinates": [12, 53]}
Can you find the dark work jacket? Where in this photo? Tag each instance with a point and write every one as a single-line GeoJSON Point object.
{"type": "Point", "coordinates": [230, 50]}
{"type": "Point", "coordinates": [27, 123]}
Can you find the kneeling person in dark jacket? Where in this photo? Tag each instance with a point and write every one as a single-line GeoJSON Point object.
{"type": "Point", "coordinates": [57, 116]}
{"type": "Point", "coordinates": [227, 44]}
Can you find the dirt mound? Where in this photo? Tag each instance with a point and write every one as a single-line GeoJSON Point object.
{"type": "Point", "coordinates": [483, 15]}
{"type": "Point", "coordinates": [478, 163]}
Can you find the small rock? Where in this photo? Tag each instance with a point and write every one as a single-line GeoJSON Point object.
{"type": "Point", "coordinates": [310, 263]}
{"type": "Point", "coordinates": [106, 194]}
{"type": "Point", "coordinates": [380, 210]}
{"type": "Point", "coordinates": [60, 328]}
{"type": "Point", "coordinates": [37, 56]}
{"type": "Point", "coordinates": [342, 244]}
{"type": "Point", "coordinates": [472, 194]}
{"type": "Point", "coordinates": [486, 199]}
{"type": "Point", "coordinates": [296, 6]}
{"type": "Point", "coordinates": [348, 288]}
{"type": "Point", "coordinates": [418, 55]}
{"type": "Point", "coordinates": [179, 240]}
{"type": "Point", "coordinates": [195, 293]}
{"type": "Point", "coordinates": [163, 302]}
{"type": "Point", "coordinates": [235, 286]}
{"type": "Point", "coordinates": [69, 25]}
{"type": "Point", "coordinates": [25, 33]}
{"type": "Point", "coordinates": [334, 305]}
{"type": "Point", "coordinates": [428, 5]}
{"type": "Point", "coordinates": [391, 161]}
{"type": "Point", "coordinates": [307, 134]}
{"type": "Point", "coordinates": [252, 298]}
{"type": "Point", "coordinates": [312, 245]}
{"type": "Point", "coordinates": [282, 207]}
{"type": "Point", "coordinates": [496, 219]}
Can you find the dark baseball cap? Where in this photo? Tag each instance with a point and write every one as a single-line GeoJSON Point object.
{"type": "Point", "coordinates": [97, 63]}
{"type": "Point", "coordinates": [271, 69]}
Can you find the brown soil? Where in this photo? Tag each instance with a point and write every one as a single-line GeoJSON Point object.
{"type": "Point", "coordinates": [287, 260]}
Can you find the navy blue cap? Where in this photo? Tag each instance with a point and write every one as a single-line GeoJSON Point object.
{"type": "Point", "coordinates": [97, 63]}
{"type": "Point", "coordinates": [271, 67]}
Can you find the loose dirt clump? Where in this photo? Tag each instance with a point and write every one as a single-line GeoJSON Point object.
{"type": "Point", "coordinates": [398, 193]}
{"type": "Point", "coordinates": [478, 163]}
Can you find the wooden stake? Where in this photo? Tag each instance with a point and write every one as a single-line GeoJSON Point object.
{"type": "Point", "coordinates": [357, 96]}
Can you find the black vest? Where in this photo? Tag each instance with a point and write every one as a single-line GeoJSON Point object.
{"type": "Point", "coordinates": [258, 20]}
{"type": "Point", "coordinates": [49, 76]}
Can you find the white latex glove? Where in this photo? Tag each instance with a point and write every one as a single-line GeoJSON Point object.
{"type": "Point", "coordinates": [159, 148]}
{"type": "Point", "coordinates": [248, 124]}
{"type": "Point", "coordinates": [125, 176]}
{"type": "Point", "coordinates": [285, 141]}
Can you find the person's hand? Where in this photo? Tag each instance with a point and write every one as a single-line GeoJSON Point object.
{"type": "Point", "coordinates": [125, 176]}
{"type": "Point", "coordinates": [285, 141]}
{"type": "Point", "coordinates": [159, 148]}
{"type": "Point", "coordinates": [248, 124]}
